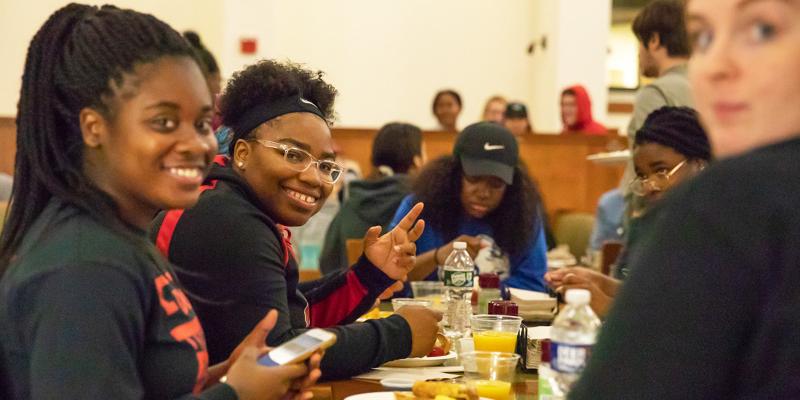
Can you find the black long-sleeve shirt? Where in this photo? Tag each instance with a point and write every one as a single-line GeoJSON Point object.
{"type": "Point", "coordinates": [87, 313]}
{"type": "Point", "coordinates": [711, 308]}
{"type": "Point", "coordinates": [237, 264]}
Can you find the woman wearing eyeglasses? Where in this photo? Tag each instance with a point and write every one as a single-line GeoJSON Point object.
{"type": "Point", "coordinates": [233, 252]}
{"type": "Point", "coordinates": [670, 148]}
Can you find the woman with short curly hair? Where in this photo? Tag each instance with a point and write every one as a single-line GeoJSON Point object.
{"type": "Point", "coordinates": [233, 251]}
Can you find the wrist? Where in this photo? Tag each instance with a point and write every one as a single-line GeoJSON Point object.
{"type": "Point", "coordinates": [436, 256]}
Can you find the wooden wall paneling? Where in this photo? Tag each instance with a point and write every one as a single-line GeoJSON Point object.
{"type": "Point", "coordinates": [8, 144]}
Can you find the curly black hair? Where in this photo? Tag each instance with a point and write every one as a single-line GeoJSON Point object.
{"type": "Point", "coordinates": [268, 81]}
{"type": "Point", "coordinates": [439, 187]}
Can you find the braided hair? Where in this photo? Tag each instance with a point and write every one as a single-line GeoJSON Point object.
{"type": "Point", "coordinates": [677, 128]}
{"type": "Point", "coordinates": [76, 60]}
{"type": "Point", "coordinates": [207, 61]}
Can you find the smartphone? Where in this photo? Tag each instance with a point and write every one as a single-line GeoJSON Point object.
{"type": "Point", "coordinates": [299, 349]}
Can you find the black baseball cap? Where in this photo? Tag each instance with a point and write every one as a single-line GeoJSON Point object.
{"type": "Point", "coordinates": [487, 149]}
{"type": "Point", "coordinates": [516, 110]}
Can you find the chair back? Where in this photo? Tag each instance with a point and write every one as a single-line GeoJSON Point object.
{"type": "Point", "coordinates": [574, 229]}
{"type": "Point", "coordinates": [609, 254]}
{"type": "Point", "coordinates": [354, 249]}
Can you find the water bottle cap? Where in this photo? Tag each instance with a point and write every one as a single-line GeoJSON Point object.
{"type": "Point", "coordinates": [578, 296]}
{"type": "Point", "coordinates": [460, 245]}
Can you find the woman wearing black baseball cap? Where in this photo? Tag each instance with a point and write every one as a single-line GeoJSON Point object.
{"type": "Point", "coordinates": [481, 189]}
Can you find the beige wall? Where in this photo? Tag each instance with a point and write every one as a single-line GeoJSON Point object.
{"type": "Point", "coordinates": [387, 58]}
{"type": "Point", "coordinates": [19, 20]}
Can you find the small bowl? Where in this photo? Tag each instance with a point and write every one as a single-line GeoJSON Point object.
{"type": "Point", "coordinates": [405, 301]}
{"type": "Point", "coordinates": [397, 383]}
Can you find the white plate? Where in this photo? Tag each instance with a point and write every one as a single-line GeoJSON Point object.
{"type": "Point", "coordinates": [372, 396]}
{"type": "Point", "coordinates": [421, 361]}
{"type": "Point", "coordinates": [378, 396]}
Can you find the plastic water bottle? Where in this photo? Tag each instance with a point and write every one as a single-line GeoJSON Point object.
{"type": "Point", "coordinates": [457, 275]}
{"type": "Point", "coordinates": [573, 335]}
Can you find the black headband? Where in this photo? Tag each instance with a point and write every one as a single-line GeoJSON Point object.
{"type": "Point", "coordinates": [261, 113]}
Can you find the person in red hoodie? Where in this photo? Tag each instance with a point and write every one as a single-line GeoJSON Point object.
{"type": "Point", "coordinates": [576, 112]}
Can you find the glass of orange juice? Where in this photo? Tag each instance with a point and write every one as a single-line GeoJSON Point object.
{"type": "Point", "coordinates": [495, 332]}
{"type": "Point", "coordinates": [490, 373]}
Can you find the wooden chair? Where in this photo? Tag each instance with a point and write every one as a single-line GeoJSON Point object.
{"type": "Point", "coordinates": [609, 254]}
{"type": "Point", "coordinates": [309, 275]}
{"type": "Point", "coordinates": [3, 210]}
{"type": "Point", "coordinates": [354, 249]}
{"type": "Point", "coordinates": [575, 229]}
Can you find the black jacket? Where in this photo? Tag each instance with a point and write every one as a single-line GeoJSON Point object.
{"type": "Point", "coordinates": [89, 313]}
{"type": "Point", "coordinates": [236, 264]}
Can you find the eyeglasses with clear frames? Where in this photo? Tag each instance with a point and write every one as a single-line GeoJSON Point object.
{"type": "Point", "coordinates": [299, 160]}
{"type": "Point", "coordinates": [657, 181]}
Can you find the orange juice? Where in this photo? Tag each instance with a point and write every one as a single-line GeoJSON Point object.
{"type": "Point", "coordinates": [505, 342]}
{"type": "Point", "coordinates": [496, 390]}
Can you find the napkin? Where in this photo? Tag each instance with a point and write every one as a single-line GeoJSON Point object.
{"type": "Point", "coordinates": [414, 374]}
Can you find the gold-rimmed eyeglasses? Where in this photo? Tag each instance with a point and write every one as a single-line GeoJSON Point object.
{"type": "Point", "coordinates": [299, 160]}
{"type": "Point", "coordinates": [640, 186]}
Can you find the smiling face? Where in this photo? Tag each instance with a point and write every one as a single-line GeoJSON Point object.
{"type": "Point", "coordinates": [744, 71]}
{"type": "Point", "coordinates": [289, 197]}
{"type": "Point", "coordinates": [569, 109]}
{"type": "Point", "coordinates": [155, 150]}
{"type": "Point", "coordinates": [480, 195]}
{"type": "Point", "coordinates": [446, 110]}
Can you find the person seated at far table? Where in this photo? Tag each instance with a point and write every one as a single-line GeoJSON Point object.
{"type": "Point", "coordinates": [516, 120]}
{"type": "Point", "coordinates": [669, 149]}
{"type": "Point", "coordinates": [576, 112]}
{"type": "Point", "coordinates": [482, 195]}
{"type": "Point", "coordinates": [397, 155]}
{"type": "Point", "coordinates": [494, 109]}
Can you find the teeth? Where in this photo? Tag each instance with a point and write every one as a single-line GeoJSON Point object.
{"type": "Point", "coordinates": [302, 197]}
{"type": "Point", "coordinates": [185, 172]}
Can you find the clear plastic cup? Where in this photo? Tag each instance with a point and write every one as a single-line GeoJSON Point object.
{"type": "Point", "coordinates": [495, 332]}
{"type": "Point", "coordinates": [429, 290]}
{"type": "Point", "coordinates": [406, 301]}
{"type": "Point", "coordinates": [491, 374]}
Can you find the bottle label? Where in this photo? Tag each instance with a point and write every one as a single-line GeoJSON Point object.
{"type": "Point", "coordinates": [458, 278]}
{"type": "Point", "coordinates": [569, 358]}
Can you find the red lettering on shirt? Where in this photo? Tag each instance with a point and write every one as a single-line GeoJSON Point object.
{"type": "Point", "coordinates": [189, 330]}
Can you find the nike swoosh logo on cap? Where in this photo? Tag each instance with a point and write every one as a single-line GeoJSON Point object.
{"type": "Point", "coordinates": [307, 102]}
{"type": "Point", "coordinates": [491, 147]}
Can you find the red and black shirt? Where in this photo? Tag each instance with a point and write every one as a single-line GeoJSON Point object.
{"type": "Point", "coordinates": [88, 313]}
{"type": "Point", "coordinates": [236, 264]}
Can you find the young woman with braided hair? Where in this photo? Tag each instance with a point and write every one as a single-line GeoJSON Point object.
{"type": "Point", "coordinates": [113, 125]}
{"type": "Point", "coordinates": [670, 148]}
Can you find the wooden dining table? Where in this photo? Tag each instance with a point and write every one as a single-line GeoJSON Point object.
{"type": "Point", "coordinates": [525, 387]}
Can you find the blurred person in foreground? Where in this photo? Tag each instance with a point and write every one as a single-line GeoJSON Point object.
{"type": "Point", "coordinates": [711, 308]}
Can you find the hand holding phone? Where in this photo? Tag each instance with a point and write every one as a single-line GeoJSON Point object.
{"type": "Point", "coordinates": [299, 349]}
